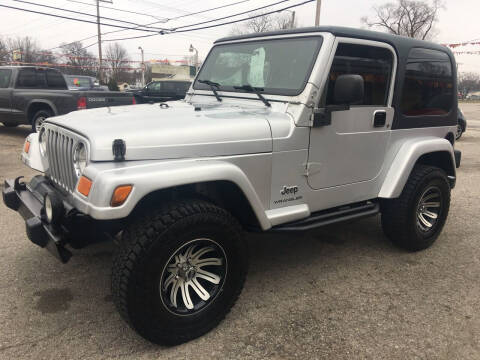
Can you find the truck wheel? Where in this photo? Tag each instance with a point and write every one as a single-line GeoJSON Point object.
{"type": "Point", "coordinates": [415, 219]}
{"type": "Point", "coordinates": [38, 119]}
{"type": "Point", "coordinates": [178, 271]}
{"type": "Point", "coordinates": [459, 132]}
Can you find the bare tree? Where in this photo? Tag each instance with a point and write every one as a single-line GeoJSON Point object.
{"type": "Point", "coordinates": [116, 59]}
{"type": "Point", "coordinates": [265, 23]}
{"type": "Point", "coordinates": [81, 61]}
{"type": "Point", "coordinates": [4, 53]}
{"type": "Point", "coordinates": [412, 18]}
{"type": "Point", "coordinates": [468, 82]}
{"type": "Point", "coordinates": [30, 50]}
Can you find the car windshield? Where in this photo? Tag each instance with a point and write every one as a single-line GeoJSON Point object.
{"type": "Point", "coordinates": [78, 81]}
{"type": "Point", "coordinates": [279, 66]}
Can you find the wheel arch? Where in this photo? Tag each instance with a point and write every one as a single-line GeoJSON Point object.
{"type": "Point", "coordinates": [37, 105]}
{"type": "Point", "coordinates": [428, 151]}
{"type": "Point", "coordinates": [220, 182]}
{"type": "Point", "coordinates": [223, 193]}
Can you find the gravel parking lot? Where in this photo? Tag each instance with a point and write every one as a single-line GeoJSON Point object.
{"type": "Point", "coordinates": [340, 292]}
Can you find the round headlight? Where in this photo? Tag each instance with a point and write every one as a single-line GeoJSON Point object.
{"type": "Point", "coordinates": [80, 158]}
{"type": "Point", "coordinates": [42, 140]}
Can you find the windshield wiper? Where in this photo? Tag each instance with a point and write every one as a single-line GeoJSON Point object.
{"type": "Point", "coordinates": [256, 90]}
{"type": "Point", "coordinates": [212, 85]}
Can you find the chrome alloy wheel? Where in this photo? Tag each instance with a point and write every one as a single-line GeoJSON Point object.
{"type": "Point", "coordinates": [428, 209]}
{"type": "Point", "coordinates": [39, 122]}
{"type": "Point", "coordinates": [193, 276]}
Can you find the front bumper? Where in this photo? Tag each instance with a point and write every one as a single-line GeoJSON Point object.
{"type": "Point", "coordinates": [28, 202]}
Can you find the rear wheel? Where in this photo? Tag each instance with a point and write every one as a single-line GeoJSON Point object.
{"type": "Point", "coordinates": [38, 119]}
{"type": "Point", "coordinates": [415, 219]}
{"type": "Point", "coordinates": [458, 132]}
{"type": "Point", "coordinates": [179, 271]}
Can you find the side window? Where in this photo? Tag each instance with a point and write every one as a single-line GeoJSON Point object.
{"type": "Point", "coordinates": [31, 78]}
{"type": "Point", "coordinates": [154, 86]}
{"type": "Point", "coordinates": [428, 84]}
{"type": "Point", "coordinates": [55, 80]}
{"type": "Point", "coordinates": [373, 63]}
{"type": "Point", "coordinates": [5, 75]}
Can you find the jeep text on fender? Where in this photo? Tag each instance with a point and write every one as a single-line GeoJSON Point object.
{"type": "Point", "coordinates": [282, 131]}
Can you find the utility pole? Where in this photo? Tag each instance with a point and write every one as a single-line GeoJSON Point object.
{"type": "Point", "coordinates": [100, 74]}
{"type": "Point", "coordinates": [292, 25]}
{"type": "Point", "coordinates": [317, 13]}
{"type": "Point", "coordinates": [100, 77]}
{"type": "Point", "coordinates": [143, 67]}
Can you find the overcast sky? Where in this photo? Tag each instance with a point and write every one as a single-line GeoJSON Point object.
{"type": "Point", "coordinates": [459, 22]}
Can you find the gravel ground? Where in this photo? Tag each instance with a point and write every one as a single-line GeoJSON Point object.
{"type": "Point", "coordinates": [340, 292]}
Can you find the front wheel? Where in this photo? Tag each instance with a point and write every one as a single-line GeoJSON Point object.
{"type": "Point", "coordinates": [415, 219]}
{"type": "Point", "coordinates": [179, 271]}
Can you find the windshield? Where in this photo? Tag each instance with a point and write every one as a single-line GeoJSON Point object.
{"type": "Point", "coordinates": [279, 66]}
{"type": "Point", "coordinates": [78, 81]}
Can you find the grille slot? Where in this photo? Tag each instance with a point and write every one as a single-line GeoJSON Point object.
{"type": "Point", "coordinates": [60, 147]}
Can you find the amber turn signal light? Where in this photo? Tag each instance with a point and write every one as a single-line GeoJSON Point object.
{"type": "Point", "coordinates": [26, 147]}
{"type": "Point", "coordinates": [84, 185]}
{"type": "Point", "coordinates": [120, 195]}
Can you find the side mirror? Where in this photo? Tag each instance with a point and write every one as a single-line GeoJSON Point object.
{"type": "Point", "coordinates": [348, 89]}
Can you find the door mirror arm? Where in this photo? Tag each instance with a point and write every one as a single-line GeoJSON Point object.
{"type": "Point", "coordinates": [323, 116]}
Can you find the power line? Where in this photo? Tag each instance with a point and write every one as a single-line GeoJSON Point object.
{"type": "Point", "coordinates": [79, 20]}
{"type": "Point", "coordinates": [167, 31]}
{"type": "Point", "coordinates": [85, 14]}
{"type": "Point", "coordinates": [116, 9]}
{"type": "Point", "coordinates": [229, 16]}
{"type": "Point", "coordinates": [150, 35]}
{"type": "Point", "coordinates": [216, 25]}
{"type": "Point", "coordinates": [211, 9]}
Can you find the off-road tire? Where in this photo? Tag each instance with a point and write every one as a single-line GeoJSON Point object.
{"type": "Point", "coordinates": [399, 216]}
{"type": "Point", "coordinates": [147, 246]}
{"type": "Point", "coordinates": [44, 113]}
{"type": "Point", "coordinates": [459, 132]}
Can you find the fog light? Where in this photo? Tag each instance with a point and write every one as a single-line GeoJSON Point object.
{"type": "Point", "coordinates": [53, 208]}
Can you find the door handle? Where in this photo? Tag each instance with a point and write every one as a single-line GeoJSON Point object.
{"type": "Point", "coordinates": [379, 118]}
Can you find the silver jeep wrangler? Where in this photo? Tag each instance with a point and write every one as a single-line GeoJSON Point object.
{"type": "Point", "coordinates": [282, 131]}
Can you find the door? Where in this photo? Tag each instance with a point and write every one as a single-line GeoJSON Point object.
{"type": "Point", "coordinates": [5, 94]}
{"type": "Point", "coordinates": [153, 92]}
{"type": "Point", "coordinates": [351, 149]}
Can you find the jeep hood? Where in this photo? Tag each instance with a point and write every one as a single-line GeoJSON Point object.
{"type": "Point", "coordinates": [179, 131]}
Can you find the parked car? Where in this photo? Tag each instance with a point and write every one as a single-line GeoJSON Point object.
{"type": "Point", "coordinates": [164, 90]}
{"type": "Point", "coordinates": [85, 83]}
{"type": "Point", "coordinates": [283, 132]}
{"type": "Point", "coordinates": [29, 95]}
{"type": "Point", "coordinates": [461, 126]}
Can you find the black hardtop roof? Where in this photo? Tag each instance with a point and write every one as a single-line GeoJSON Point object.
{"type": "Point", "coordinates": [398, 42]}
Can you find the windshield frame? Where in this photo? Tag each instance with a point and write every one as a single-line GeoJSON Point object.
{"type": "Point", "coordinates": [267, 91]}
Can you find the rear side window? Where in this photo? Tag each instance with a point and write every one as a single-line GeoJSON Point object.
{"type": "Point", "coordinates": [55, 80]}
{"type": "Point", "coordinates": [31, 78]}
{"type": "Point", "coordinates": [428, 85]}
{"type": "Point", "coordinates": [5, 75]}
{"type": "Point", "coordinates": [373, 63]}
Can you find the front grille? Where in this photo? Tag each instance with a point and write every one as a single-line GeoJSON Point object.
{"type": "Point", "coordinates": [60, 147]}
